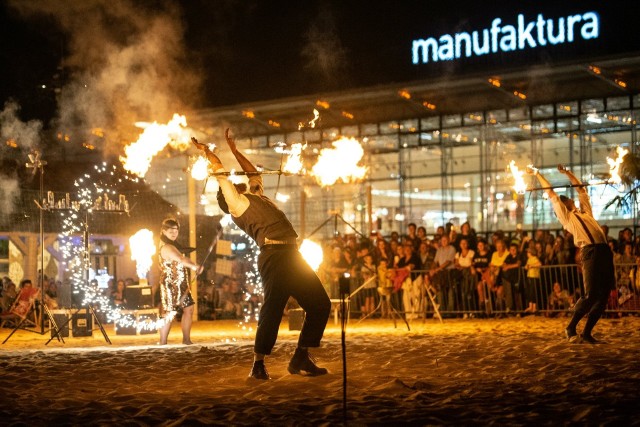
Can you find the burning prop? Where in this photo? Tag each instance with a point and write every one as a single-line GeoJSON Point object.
{"type": "Point", "coordinates": [142, 251]}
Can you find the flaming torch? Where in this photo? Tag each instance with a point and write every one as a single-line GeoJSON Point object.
{"type": "Point", "coordinates": [294, 161]}
{"type": "Point", "coordinates": [142, 250]}
{"type": "Point", "coordinates": [519, 185]}
{"type": "Point", "coordinates": [614, 165]}
{"type": "Point", "coordinates": [340, 163]}
{"type": "Point", "coordinates": [200, 169]}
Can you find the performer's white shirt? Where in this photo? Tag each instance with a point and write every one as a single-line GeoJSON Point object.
{"type": "Point", "coordinates": [238, 203]}
{"type": "Point", "coordinates": [569, 221]}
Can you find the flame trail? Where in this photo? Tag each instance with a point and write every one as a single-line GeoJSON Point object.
{"type": "Point", "coordinates": [340, 163]}
{"type": "Point", "coordinates": [142, 250]}
{"type": "Point", "coordinates": [312, 253]}
{"type": "Point", "coordinates": [153, 140]}
{"type": "Point", "coordinates": [614, 165]}
{"type": "Point", "coordinates": [519, 185]}
{"type": "Point", "coordinates": [312, 122]}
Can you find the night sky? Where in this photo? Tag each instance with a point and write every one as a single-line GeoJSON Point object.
{"type": "Point", "coordinates": [244, 51]}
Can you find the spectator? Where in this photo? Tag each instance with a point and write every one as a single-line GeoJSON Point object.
{"type": "Point", "coordinates": [8, 296]}
{"type": "Point", "coordinates": [440, 273]}
{"type": "Point", "coordinates": [463, 263]}
{"type": "Point", "coordinates": [495, 267]}
{"type": "Point", "coordinates": [533, 280]}
{"type": "Point", "coordinates": [228, 302]}
{"type": "Point", "coordinates": [559, 300]}
{"type": "Point", "coordinates": [51, 295]}
{"type": "Point", "coordinates": [117, 296]}
{"type": "Point", "coordinates": [368, 272]}
{"type": "Point", "coordinates": [511, 278]}
{"type": "Point", "coordinates": [484, 280]}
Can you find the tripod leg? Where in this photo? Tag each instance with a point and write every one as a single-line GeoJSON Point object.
{"type": "Point", "coordinates": [54, 326]}
{"type": "Point", "coordinates": [374, 310]}
{"type": "Point", "coordinates": [95, 318]}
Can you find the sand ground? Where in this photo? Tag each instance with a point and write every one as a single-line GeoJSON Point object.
{"type": "Point", "coordinates": [517, 371]}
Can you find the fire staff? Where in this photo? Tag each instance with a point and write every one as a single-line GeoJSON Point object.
{"type": "Point", "coordinates": [597, 258]}
{"type": "Point", "coordinates": [283, 271]}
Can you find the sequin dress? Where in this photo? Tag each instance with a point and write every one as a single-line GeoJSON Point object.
{"type": "Point", "coordinates": [174, 282]}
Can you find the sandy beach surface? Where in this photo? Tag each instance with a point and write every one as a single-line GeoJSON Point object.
{"type": "Point", "coordinates": [516, 371]}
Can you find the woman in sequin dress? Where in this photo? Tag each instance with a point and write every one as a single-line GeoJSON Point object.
{"type": "Point", "coordinates": [174, 281]}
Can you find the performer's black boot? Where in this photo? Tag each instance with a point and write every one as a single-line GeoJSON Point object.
{"type": "Point", "coordinates": [301, 361]}
{"type": "Point", "coordinates": [588, 327]}
{"type": "Point", "coordinates": [259, 371]}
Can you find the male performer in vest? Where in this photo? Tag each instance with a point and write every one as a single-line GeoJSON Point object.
{"type": "Point", "coordinates": [597, 259]}
{"type": "Point", "coordinates": [283, 271]}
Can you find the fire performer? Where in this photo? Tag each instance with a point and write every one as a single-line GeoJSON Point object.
{"type": "Point", "coordinates": [174, 281]}
{"type": "Point", "coordinates": [597, 258]}
{"type": "Point", "coordinates": [283, 270]}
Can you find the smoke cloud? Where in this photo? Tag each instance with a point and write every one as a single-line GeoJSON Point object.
{"type": "Point", "coordinates": [25, 135]}
{"type": "Point", "coordinates": [9, 193]}
{"type": "Point", "coordinates": [126, 63]}
{"type": "Point", "coordinates": [323, 51]}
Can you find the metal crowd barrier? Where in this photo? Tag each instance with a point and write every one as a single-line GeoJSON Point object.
{"type": "Point", "coordinates": [459, 293]}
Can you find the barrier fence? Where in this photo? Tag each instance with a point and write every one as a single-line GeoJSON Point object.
{"type": "Point", "coordinates": [548, 290]}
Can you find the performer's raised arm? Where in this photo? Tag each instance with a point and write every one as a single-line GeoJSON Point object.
{"type": "Point", "coordinates": [542, 180]}
{"type": "Point", "coordinates": [255, 179]}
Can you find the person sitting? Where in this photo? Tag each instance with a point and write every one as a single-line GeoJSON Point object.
{"type": "Point", "coordinates": [8, 296]}
{"type": "Point", "coordinates": [559, 300]}
{"type": "Point", "coordinates": [117, 296]}
{"type": "Point", "coordinates": [51, 295]}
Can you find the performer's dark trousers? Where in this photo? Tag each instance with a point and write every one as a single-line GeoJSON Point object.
{"type": "Point", "coordinates": [599, 279]}
{"type": "Point", "coordinates": [285, 273]}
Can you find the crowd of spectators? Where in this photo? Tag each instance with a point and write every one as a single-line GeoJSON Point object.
{"type": "Point", "coordinates": [471, 275]}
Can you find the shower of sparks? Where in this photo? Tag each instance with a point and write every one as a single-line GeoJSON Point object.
{"type": "Point", "coordinates": [340, 163]}
{"type": "Point", "coordinates": [519, 185]}
{"type": "Point", "coordinates": [614, 165]}
{"type": "Point", "coordinates": [93, 194]}
{"type": "Point", "coordinates": [155, 138]}
{"type": "Point", "coordinates": [142, 251]}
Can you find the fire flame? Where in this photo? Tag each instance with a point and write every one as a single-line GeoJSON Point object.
{"type": "Point", "coordinates": [312, 122]}
{"type": "Point", "coordinates": [200, 169]}
{"type": "Point", "coordinates": [142, 251]}
{"type": "Point", "coordinates": [519, 185]}
{"type": "Point", "coordinates": [614, 165]}
{"type": "Point", "coordinates": [294, 161]}
{"type": "Point", "coordinates": [340, 163]}
{"type": "Point", "coordinates": [312, 253]}
{"type": "Point", "coordinates": [155, 138]}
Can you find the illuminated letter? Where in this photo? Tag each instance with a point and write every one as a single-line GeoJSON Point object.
{"type": "Point", "coordinates": [560, 37]}
{"type": "Point", "coordinates": [524, 33]}
{"type": "Point", "coordinates": [540, 24]}
{"type": "Point", "coordinates": [485, 43]}
{"type": "Point", "coordinates": [463, 37]}
{"type": "Point", "coordinates": [570, 22]}
{"type": "Point", "coordinates": [590, 30]}
{"type": "Point", "coordinates": [424, 45]}
{"type": "Point", "coordinates": [508, 42]}
{"type": "Point", "coordinates": [495, 29]}
{"type": "Point", "coordinates": [445, 52]}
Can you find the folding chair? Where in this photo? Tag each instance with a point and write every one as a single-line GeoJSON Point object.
{"type": "Point", "coordinates": [20, 311]}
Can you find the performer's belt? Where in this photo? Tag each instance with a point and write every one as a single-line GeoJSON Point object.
{"type": "Point", "coordinates": [279, 244]}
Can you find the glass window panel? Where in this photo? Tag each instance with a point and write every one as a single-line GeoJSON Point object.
{"type": "Point", "coordinates": [369, 129]}
{"type": "Point", "coordinates": [409, 140]}
{"type": "Point", "coordinates": [295, 137]}
{"type": "Point", "coordinates": [350, 131]}
{"type": "Point", "coordinates": [618, 103]}
{"type": "Point", "coordinates": [474, 118]}
{"type": "Point", "coordinates": [567, 125]}
{"type": "Point", "coordinates": [496, 116]}
{"type": "Point", "coordinates": [519, 113]}
{"type": "Point", "coordinates": [542, 111]}
{"type": "Point", "coordinates": [592, 106]}
{"type": "Point", "coordinates": [451, 120]}
{"type": "Point", "coordinates": [381, 143]}
{"type": "Point", "coordinates": [274, 140]}
{"type": "Point", "coordinates": [389, 127]}
{"type": "Point", "coordinates": [409, 125]}
{"type": "Point", "coordinates": [567, 108]}
{"type": "Point", "coordinates": [312, 135]}
{"type": "Point", "coordinates": [330, 134]}
{"type": "Point", "coordinates": [430, 122]}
